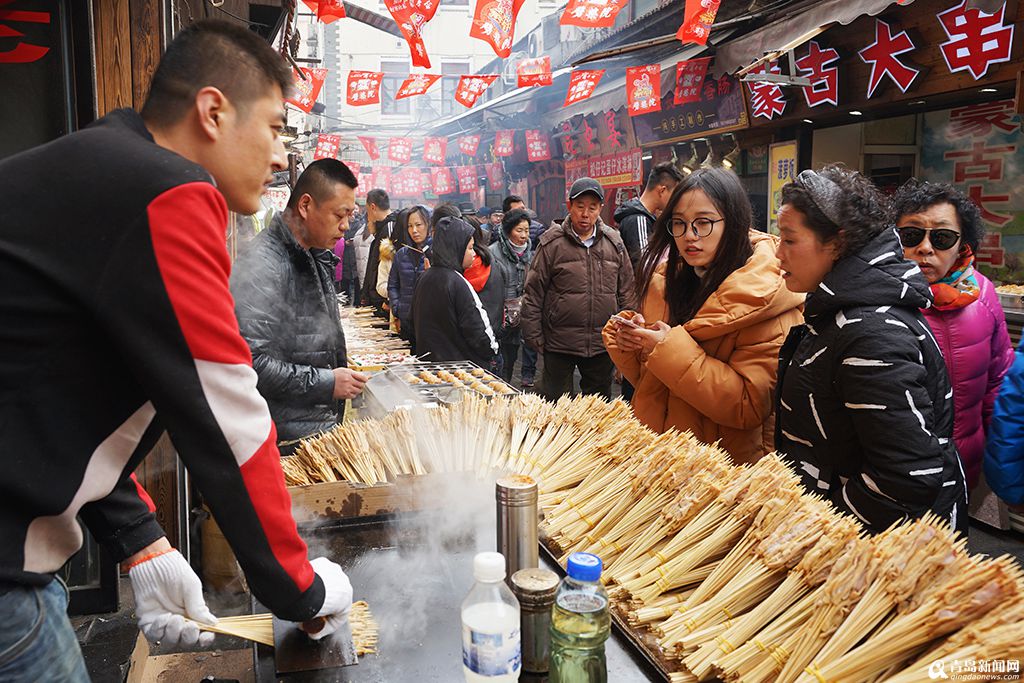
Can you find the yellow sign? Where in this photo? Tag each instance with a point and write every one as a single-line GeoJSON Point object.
{"type": "Point", "coordinates": [781, 170]}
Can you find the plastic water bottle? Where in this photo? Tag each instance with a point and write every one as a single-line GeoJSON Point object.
{"type": "Point", "coordinates": [580, 624]}
{"type": "Point", "coordinates": [491, 643]}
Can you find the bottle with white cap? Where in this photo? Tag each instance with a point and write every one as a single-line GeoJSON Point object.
{"type": "Point", "coordinates": [491, 642]}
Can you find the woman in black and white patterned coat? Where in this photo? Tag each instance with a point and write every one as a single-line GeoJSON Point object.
{"type": "Point", "coordinates": [864, 405]}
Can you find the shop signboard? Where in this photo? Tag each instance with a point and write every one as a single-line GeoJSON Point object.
{"type": "Point", "coordinates": [624, 169]}
{"type": "Point", "coordinates": [979, 149]}
{"type": "Point", "coordinates": [757, 160]}
{"type": "Point", "coordinates": [781, 170]}
{"type": "Point", "coordinates": [720, 109]}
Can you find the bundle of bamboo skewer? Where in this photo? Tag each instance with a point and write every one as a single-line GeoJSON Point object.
{"type": "Point", "coordinates": [735, 569]}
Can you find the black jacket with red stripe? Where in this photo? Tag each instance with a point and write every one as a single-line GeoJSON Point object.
{"type": "Point", "coordinates": [116, 323]}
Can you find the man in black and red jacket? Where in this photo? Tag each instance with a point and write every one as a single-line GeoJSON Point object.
{"type": "Point", "coordinates": [116, 324]}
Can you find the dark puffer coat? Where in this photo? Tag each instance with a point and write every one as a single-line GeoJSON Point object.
{"type": "Point", "coordinates": [405, 273]}
{"type": "Point", "coordinates": [288, 313]}
{"type": "Point", "coordinates": [513, 268]}
{"type": "Point", "coordinates": [450, 322]}
{"type": "Point", "coordinates": [572, 290]}
{"type": "Point", "coordinates": [384, 231]}
{"type": "Point", "coordinates": [864, 408]}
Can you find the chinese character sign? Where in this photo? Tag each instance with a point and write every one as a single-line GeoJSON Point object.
{"type": "Point", "coordinates": [441, 180]}
{"type": "Point", "coordinates": [417, 84]}
{"type": "Point", "coordinates": [22, 52]}
{"type": "Point", "coordinates": [365, 184]}
{"type": "Point", "coordinates": [400, 150]}
{"type": "Point", "coordinates": [976, 40]}
{"type": "Point", "coordinates": [411, 16]}
{"type": "Point", "coordinates": [435, 150]}
{"type": "Point", "coordinates": [467, 179]}
{"type": "Point", "coordinates": [698, 16]}
{"type": "Point", "coordinates": [538, 148]}
{"type": "Point", "coordinates": [979, 120]}
{"type": "Point", "coordinates": [471, 87]}
{"type": "Point", "coordinates": [327, 147]}
{"type": "Point", "coordinates": [766, 99]}
{"type": "Point", "coordinates": [382, 178]}
{"type": "Point", "coordinates": [370, 145]}
{"type": "Point", "coordinates": [504, 143]}
{"type": "Point", "coordinates": [824, 85]}
{"type": "Point", "coordinates": [494, 22]}
{"type": "Point", "coordinates": [495, 177]}
{"type": "Point", "coordinates": [689, 76]}
{"type": "Point", "coordinates": [469, 144]}
{"type": "Point", "coordinates": [306, 89]}
{"type": "Point", "coordinates": [582, 84]}
{"type": "Point", "coordinates": [781, 170]}
{"type": "Point", "coordinates": [530, 72]}
{"type": "Point", "coordinates": [591, 13]}
{"type": "Point", "coordinates": [643, 89]}
{"type": "Point", "coordinates": [883, 56]}
{"type": "Point", "coordinates": [407, 182]}
{"type": "Point", "coordinates": [363, 87]}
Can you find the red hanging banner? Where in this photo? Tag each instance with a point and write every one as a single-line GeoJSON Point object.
{"type": "Point", "coordinates": [407, 182]}
{"type": "Point", "coordinates": [698, 17]}
{"type": "Point", "coordinates": [307, 89]}
{"type": "Point", "coordinates": [494, 22]}
{"type": "Point", "coordinates": [364, 87]}
{"type": "Point", "coordinates": [354, 166]}
{"type": "Point", "coordinates": [400, 150]}
{"type": "Point", "coordinates": [365, 184]}
{"type": "Point", "coordinates": [382, 178]}
{"type": "Point", "coordinates": [370, 145]}
{"type": "Point", "coordinates": [411, 16]}
{"type": "Point", "coordinates": [326, 11]}
{"type": "Point", "coordinates": [327, 146]}
{"type": "Point", "coordinates": [435, 150]}
{"type": "Point", "coordinates": [467, 179]}
{"type": "Point", "coordinates": [591, 13]}
{"type": "Point", "coordinates": [417, 84]}
{"type": "Point", "coordinates": [426, 184]}
{"type": "Point", "coordinates": [471, 87]}
{"type": "Point", "coordinates": [468, 144]}
{"type": "Point", "coordinates": [643, 89]}
{"type": "Point", "coordinates": [538, 148]}
{"type": "Point", "coordinates": [689, 77]}
{"type": "Point", "coordinates": [582, 84]}
{"type": "Point", "coordinates": [976, 40]}
{"type": "Point", "coordinates": [532, 72]}
{"type": "Point", "coordinates": [883, 56]}
{"type": "Point", "coordinates": [495, 177]}
{"type": "Point", "coordinates": [441, 180]}
{"type": "Point", "coordinates": [504, 143]}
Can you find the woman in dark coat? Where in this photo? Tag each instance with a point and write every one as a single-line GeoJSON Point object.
{"type": "Point", "coordinates": [864, 405]}
{"type": "Point", "coordinates": [407, 267]}
{"type": "Point", "coordinates": [511, 253]}
{"type": "Point", "coordinates": [449, 320]}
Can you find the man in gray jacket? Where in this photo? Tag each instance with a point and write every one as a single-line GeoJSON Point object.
{"type": "Point", "coordinates": [580, 276]}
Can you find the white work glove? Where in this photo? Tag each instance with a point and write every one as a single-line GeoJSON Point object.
{"type": "Point", "coordinates": [337, 596]}
{"type": "Point", "coordinates": [166, 591]}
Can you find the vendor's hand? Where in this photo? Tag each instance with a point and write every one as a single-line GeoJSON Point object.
{"type": "Point", "coordinates": [398, 326]}
{"type": "Point", "coordinates": [348, 383]}
{"type": "Point", "coordinates": [645, 339]}
{"type": "Point", "coordinates": [166, 592]}
{"type": "Point", "coordinates": [337, 596]}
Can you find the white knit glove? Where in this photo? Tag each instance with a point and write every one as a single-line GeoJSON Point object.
{"type": "Point", "coordinates": [337, 596]}
{"type": "Point", "coordinates": [167, 591]}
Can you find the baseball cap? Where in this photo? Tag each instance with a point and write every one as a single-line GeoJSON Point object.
{"type": "Point", "coordinates": [585, 185]}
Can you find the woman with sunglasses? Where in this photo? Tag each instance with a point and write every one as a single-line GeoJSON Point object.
{"type": "Point", "coordinates": [940, 230]}
{"type": "Point", "coordinates": [407, 266]}
{"type": "Point", "coordinates": [715, 311]}
{"type": "Point", "coordinates": [865, 409]}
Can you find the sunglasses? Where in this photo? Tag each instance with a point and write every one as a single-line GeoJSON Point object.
{"type": "Point", "coordinates": [941, 238]}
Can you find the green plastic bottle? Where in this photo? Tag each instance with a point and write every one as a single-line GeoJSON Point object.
{"type": "Point", "coordinates": [580, 624]}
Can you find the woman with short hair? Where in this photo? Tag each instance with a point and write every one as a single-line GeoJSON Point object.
{"type": "Point", "coordinates": [511, 253]}
{"type": "Point", "coordinates": [864, 408]}
{"type": "Point", "coordinates": [407, 266]}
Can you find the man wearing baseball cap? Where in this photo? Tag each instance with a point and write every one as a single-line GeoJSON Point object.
{"type": "Point", "coordinates": [580, 276]}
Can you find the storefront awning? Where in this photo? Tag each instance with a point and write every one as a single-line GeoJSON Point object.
{"type": "Point", "coordinates": [739, 53]}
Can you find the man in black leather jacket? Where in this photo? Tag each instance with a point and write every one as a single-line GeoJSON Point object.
{"type": "Point", "coordinates": [288, 311]}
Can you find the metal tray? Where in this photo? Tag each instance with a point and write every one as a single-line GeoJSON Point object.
{"type": "Point", "coordinates": [414, 369]}
{"type": "Point", "coordinates": [1011, 302]}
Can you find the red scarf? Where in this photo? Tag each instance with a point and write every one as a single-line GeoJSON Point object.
{"type": "Point", "coordinates": [477, 273]}
{"type": "Point", "coordinates": [959, 287]}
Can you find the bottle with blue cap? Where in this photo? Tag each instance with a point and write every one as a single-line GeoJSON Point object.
{"type": "Point", "coordinates": [580, 624]}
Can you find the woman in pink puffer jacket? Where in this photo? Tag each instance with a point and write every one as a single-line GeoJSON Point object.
{"type": "Point", "coordinates": [940, 229]}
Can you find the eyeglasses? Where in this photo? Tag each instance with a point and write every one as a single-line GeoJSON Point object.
{"type": "Point", "coordinates": [941, 238]}
{"type": "Point", "coordinates": [700, 227]}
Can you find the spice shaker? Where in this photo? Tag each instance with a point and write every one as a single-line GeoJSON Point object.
{"type": "Point", "coordinates": [535, 589]}
{"type": "Point", "coordinates": [517, 523]}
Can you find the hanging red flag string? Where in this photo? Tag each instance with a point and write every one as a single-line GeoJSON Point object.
{"type": "Point", "coordinates": [643, 89]}
{"type": "Point", "coordinates": [416, 84]}
{"type": "Point", "coordinates": [370, 145]}
{"type": "Point", "coordinates": [471, 87]}
{"type": "Point", "coordinates": [327, 146]}
{"type": "Point", "coordinates": [689, 77]}
{"type": "Point", "coordinates": [363, 87]}
{"type": "Point", "coordinates": [531, 72]}
{"type": "Point", "coordinates": [382, 178]}
{"type": "Point", "coordinates": [326, 11]}
{"type": "Point", "coordinates": [698, 16]}
{"type": "Point", "coordinates": [307, 89]}
{"type": "Point", "coordinates": [400, 150]}
{"type": "Point", "coordinates": [468, 144]}
{"type": "Point", "coordinates": [504, 143]}
{"type": "Point", "coordinates": [467, 178]}
{"type": "Point", "coordinates": [582, 84]}
{"type": "Point", "coordinates": [591, 13]}
{"type": "Point", "coordinates": [441, 180]}
{"type": "Point", "coordinates": [411, 16]}
{"type": "Point", "coordinates": [435, 150]}
{"type": "Point", "coordinates": [495, 177]}
{"type": "Point", "coordinates": [538, 148]}
{"type": "Point", "coordinates": [494, 22]}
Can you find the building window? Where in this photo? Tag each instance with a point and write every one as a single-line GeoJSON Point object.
{"type": "Point", "coordinates": [449, 84]}
{"type": "Point", "coordinates": [394, 75]}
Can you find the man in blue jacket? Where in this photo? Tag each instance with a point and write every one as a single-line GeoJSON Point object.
{"type": "Point", "coordinates": [1004, 454]}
